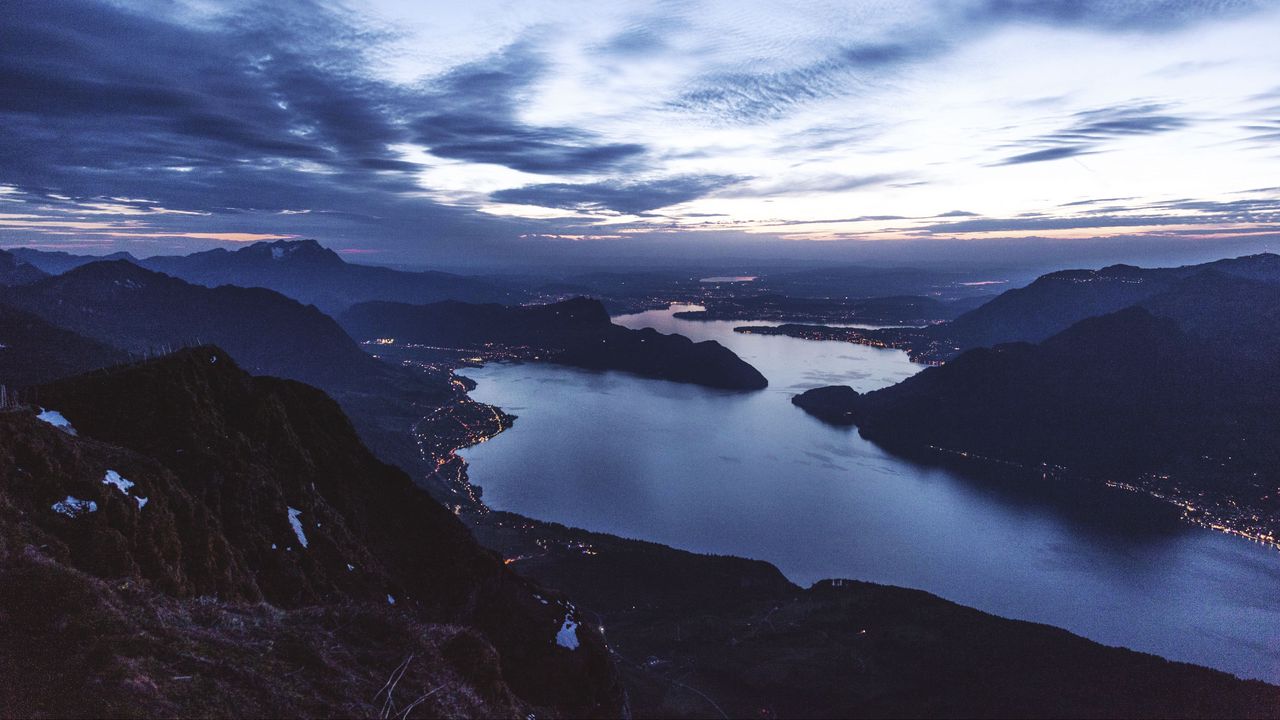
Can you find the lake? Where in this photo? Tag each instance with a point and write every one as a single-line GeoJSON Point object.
{"type": "Point", "coordinates": [749, 474]}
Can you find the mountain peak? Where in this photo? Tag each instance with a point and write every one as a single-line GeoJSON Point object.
{"type": "Point", "coordinates": [122, 273]}
{"type": "Point", "coordinates": [306, 251]}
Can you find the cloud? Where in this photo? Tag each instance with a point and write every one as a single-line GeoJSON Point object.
{"type": "Point", "coordinates": [738, 97]}
{"type": "Point", "coordinates": [140, 95]}
{"type": "Point", "coordinates": [250, 117]}
{"type": "Point", "coordinates": [1090, 129]}
{"type": "Point", "coordinates": [803, 184]}
{"type": "Point", "coordinates": [1055, 153]}
{"type": "Point", "coordinates": [616, 196]}
{"type": "Point", "coordinates": [1094, 201]}
{"type": "Point", "coordinates": [906, 34]}
{"type": "Point", "coordinates": [1167, 213]}
{"type": "Point", "coordinates": [1108, 15]}
{"type": "Point", "coordinates": [243, 115]}
{"type": "Point", "coordinates": [1264, 131]}
{"type": "Point", "coordinates": [475, 118]}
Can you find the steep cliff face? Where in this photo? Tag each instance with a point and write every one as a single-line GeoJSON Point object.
{"type": "Point", "coordinates": [195, 498]}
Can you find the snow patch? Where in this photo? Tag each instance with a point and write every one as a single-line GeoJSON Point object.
{"type": "Point", "coordinates": [391, 599]}
{"type": "Point", "coordinates": [568, 635]}
{"type": "Point", "coordinates": [297, 525]}
{"type": "Point", "coordinates": [350, 567]}
{"type": "Point", "coordinates": [113, 478]}
{"type": "Point", "coordinates": [54, 418]}
{"type": "Point", "coordinates": [74, 506]}
{"type": "Point", "coordinates": [142, 502]}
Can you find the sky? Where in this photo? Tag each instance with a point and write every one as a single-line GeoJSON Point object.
{"type": "Point", "coordinates": [506, 132]}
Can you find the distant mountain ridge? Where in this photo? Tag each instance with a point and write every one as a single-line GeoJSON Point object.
{"type": "Point", "coordinates": [301, 269]}
{"type": "Point", "coordinates": [142, 311]}
{"type": "Point", "coordinates": [1059, 299]}
{"type": "Point", "coordinates": [16, 271]}
{"type": "Point", "coordinates": [1178, 393]}
{"type": "Point", "coordinates": [56, 262]}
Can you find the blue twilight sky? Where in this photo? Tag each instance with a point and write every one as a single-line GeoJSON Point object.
{"type": "Point", "coordinates": [491, 131]}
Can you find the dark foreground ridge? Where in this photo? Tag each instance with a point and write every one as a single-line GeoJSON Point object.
{"type": "Point", "coordinates": [575, 332]}
{"type": "Point", "coordinates": [211, 543]}
{"type": "Point", "coordinates": [707, 636]}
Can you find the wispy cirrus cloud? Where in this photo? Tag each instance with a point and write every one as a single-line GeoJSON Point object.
{"type": "Point", "coordinates": [617, 196]}
{"type": "Point", "coordinates": [1090, 130]}
{"type": "Point", "coordinates": [749, 97]}
{"type": "Point", "coordinates": [1129, 16]}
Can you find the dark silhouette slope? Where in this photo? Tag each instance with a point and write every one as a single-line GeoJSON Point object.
{"type": "Point", "coordinates": [257, 489]}
{"type": "Point", "coordinates": [1182, 390]}
{"type": "Point", "coordinates": [33, 351]}
{"type": "Point", "coordinates": [712, 636]}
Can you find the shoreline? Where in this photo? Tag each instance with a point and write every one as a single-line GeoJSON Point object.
{"type": "Point", "coordinates": [1189, 513]}
{"type": "Point", "coordinates": [570, 558]}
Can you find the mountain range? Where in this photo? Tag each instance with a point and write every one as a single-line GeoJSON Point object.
{"type": "Point", "coordinates": [301, 269]}
{"type": "Point", "coordinates": [1176, 393]}
{"type": "Point", "coordinates": [141, 311]}
{"type": "Point", "coordinates": [1055, 301]}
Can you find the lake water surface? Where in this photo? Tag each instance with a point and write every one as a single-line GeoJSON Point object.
{"type": "Point", "coordinates": [749, 474]}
